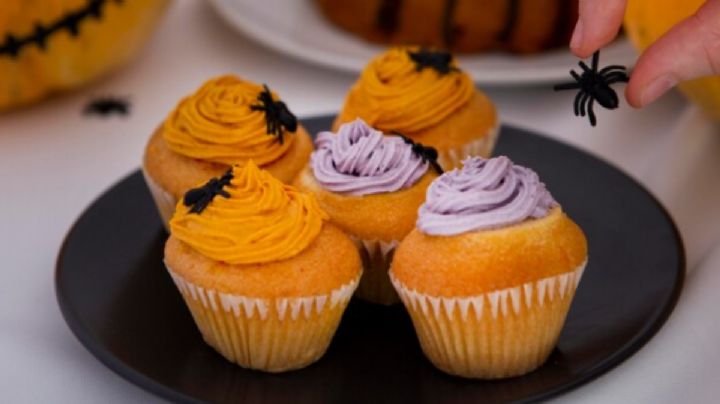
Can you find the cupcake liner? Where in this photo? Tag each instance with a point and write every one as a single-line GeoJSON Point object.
{"type": "Point", "coordinates": [375, 285]}
{"type": "Point", "coordinates": [453, 157]}
{"type": "Point", "coordinates": [273, 335]}
{"type": "Point", "coordinates": [498, 334]}
{"type": "Point", "coordinates": [164, 201]}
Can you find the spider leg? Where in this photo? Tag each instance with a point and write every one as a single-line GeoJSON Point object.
{"type": "Point", "coordinates": [615, 100]}
{"type": "Point", "coordinates": [583, 103]}
{"type": "Point", "coordinates": [566, 86]}
{"type": "Point", "coordinates": [575, 75]}
{"type": "Point", "coordinates": [584, 66]}
{"type": "Point", "coordinates": [576, 103]}
{"type": "Point", "coordinates": [613, 73]}
{"type": "Point", "coordinates": [591, 113]}
{"type": "Point", "coordinates": [607, 69]}
{"type": "Point", "coordinates": [595, 60]}
{"type": "Point", "coordinates": [616, 77]}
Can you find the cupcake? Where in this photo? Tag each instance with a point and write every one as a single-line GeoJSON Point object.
{"type": "Point", "coordinates": [371, 186]}
{"type": "Point", "coordinates": [426, 97]}
{"type": "Point", "coordinates": [228, 121]}
{"type": "Point", "coordinates": [490, 270]}
{"type": "Point", "coordinates": [264, 274]}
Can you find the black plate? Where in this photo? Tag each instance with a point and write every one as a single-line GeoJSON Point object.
{"type": "Point", "coordinates": [119, 301]}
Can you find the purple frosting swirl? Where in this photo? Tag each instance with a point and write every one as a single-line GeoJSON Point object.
{"type": "Point", "coordinates": [483, 194]}
{"type": "Point", "coordinates": [359, 160]}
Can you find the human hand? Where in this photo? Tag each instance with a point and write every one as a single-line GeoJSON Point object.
{"type": "Point", "coordinates": [689, 50]}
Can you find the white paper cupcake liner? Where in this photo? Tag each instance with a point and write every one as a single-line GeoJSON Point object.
{"type": "Point", "coordinates": [273, 335]}
{"type": "Point", "coordinates": [375, 283]}
{"type": "Point", "coordinates": [164, 201]}
{"type": "Point", "coordinates": [453, 157]}
{"type": "Point", "coordinates": [498, 334]}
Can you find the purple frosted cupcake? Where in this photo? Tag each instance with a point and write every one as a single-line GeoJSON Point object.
{"type": "Point", "coordinates": [490, 271]}
{"type": "Point", "coordinates": [371, 185]}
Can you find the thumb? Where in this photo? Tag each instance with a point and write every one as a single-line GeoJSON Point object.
{"type": "Point", "coordinates": [691, 49]}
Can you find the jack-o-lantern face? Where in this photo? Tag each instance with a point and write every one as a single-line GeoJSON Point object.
{"type": "Point", "coordinates": [53, 45]}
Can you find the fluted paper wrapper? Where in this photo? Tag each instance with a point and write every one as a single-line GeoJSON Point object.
{"type": "Point", "coordinates": [272, 335]}
{"type": "Point", "coordinates": [375, 285]}
{"type": "Point", "coordinates": [453, 157]}
{"type": "Point", "coordinates": [499, 334]}
{"type": "Point", "coordinates": [164, 201]}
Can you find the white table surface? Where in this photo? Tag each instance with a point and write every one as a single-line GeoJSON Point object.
{"type": "Point", "coordinates": [54, 162]}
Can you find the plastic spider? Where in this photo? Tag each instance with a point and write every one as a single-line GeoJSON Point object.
{"type": "Point", "coordinates": [594, 86]}
{"type": "Point", "coordinates": [438, 60]}
{"type": "Point", "coordinates": [107, 105]}
{"type": "Point", "coordinates": [199, 198]}
{"type": "Point", "coordinates": [277, 115]}
{"type": "Point", "coordinates": [426, 153]}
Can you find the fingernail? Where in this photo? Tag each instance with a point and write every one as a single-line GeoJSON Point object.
{"type": "Point", "coordinates": [577, 36]}
{"type": "Point", "coordinates": [657, 88]}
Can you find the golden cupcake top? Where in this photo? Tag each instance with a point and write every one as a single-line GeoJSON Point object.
{"type": "Point", "coordinates": [230, 121]}
{"type": "Point", "coordinates": [247, 217]}
{"type": "Point", "coordinates": [410, 89]}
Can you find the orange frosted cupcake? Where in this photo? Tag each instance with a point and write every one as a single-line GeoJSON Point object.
{"type": "Point", "coordinates": [425, 96]}
{"type": "Point", "coordinates": [371, 186]}
{"type": "Point", "coordinates": [490, 271]}
{"type": "Point", "coordinates": [228, 121]}
{"type": "Point", "coordinates": [265, 277]}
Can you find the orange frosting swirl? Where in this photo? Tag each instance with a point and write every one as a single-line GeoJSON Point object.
{"type": "Point", "coordinates": [398, 97]}
{"type": "Point", "coordinates": [217, 124]}
{"type": "Point", "coordinates": [259, 220]}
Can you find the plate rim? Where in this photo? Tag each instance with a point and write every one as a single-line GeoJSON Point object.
{"type": "Point", "coordinates": [81, 332]}
{"type": "Point", "coordinates": [323, 58]}
{"type": "Point", "coordinates": [630, 348]}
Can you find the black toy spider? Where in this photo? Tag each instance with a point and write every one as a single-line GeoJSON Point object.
{"type": "Point", "coordinates": [277, 115]}
{"type": "Point", "coordinates": [426, 153]}
{"type": "Point", "coordinates": [433, 59]}
{"type": "Point", "coordinates": [107, 105]}
{"type": "Point", "coordinates": [199, 198]}
{"type": "Point", "coordinates": [594, 86]}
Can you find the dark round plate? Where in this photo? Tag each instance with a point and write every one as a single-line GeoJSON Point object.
{"type": "Point", "coordinates": [119, 301]}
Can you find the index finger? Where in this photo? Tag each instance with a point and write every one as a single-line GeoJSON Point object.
{"type": "Point", "coordinates": [598, 24]}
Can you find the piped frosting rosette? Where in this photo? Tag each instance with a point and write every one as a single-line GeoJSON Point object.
{"type": "Point", "coordinates": [360, 161]}
{"type": "Point", "coordinates": [484, 194]}
{"type": "Point", "coordinates": [400, 96]}
{"type": "Point", "coordinates": [257, 219]}
{"type": "Point", "coordinates": [219, 124]}
{"type": "Point", "coordinates": [490, 271]}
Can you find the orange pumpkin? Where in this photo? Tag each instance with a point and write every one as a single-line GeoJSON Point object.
{"type": "Point", "coordinates": [53, 45]}
{"type": "Point", "coordinates": [648, 20]}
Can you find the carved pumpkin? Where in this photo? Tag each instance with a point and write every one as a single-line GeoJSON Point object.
{"type": "Point", "coordinates": [53, 45]}
{"type": "Point", "coordinates": [647, 20]}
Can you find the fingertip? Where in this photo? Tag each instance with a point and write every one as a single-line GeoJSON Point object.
{"type": "Point", "coordinates": [640, 93]}
{"type": "Point", "coordinates": [579, 46]}
{"type": "Point", "coordinates": [584, 48]}
{"type": "Point", "coordinates": [576, 41]}
{"type": "Point", "coordinates": [657, 88]}
{"type": "Point", "coordinates": [598, 24]}
{"type": "Point", "coordinates": [632, 96]}
{"type": "Point", "coordinates": [583, 52]}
